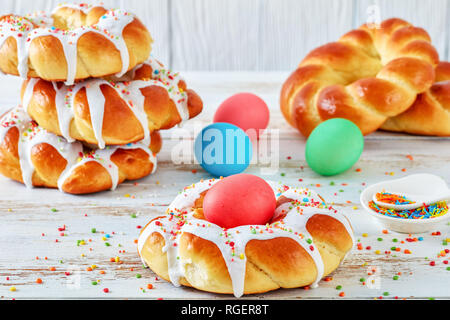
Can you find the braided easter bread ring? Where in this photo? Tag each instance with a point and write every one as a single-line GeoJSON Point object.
{"type": "Point", "coordinates": [76, 42]}
{"type": "Point", "coordinates": [368, 75]}
{"type": "Point", "coordinates": [430, 113]}
{"type": "Point", "coordinates": [305, 241]}
{"type": "Point", "coordinates": [105, 112]}
{"type": "Point", "coordinates": [35, 157]}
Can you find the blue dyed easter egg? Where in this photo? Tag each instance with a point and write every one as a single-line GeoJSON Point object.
{"type": "Point", "coordinates": [334, 146]}
{"type": "Point", "coordinates": [223, 149]}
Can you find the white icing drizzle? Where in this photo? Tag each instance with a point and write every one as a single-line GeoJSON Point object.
{"type": "Point", "coordinates": [96, 101]}
{"type": "Point", "coordinates": [110, 25]}
{"type": "Point", "coordinates": [171, 80]}
{"type": "Point", "coordinates": [63, 110]}
{"type": "Point", "coordinates": [31, 135]}
{"type": "Point", "coordinates": [103, 157]}
{"type": "Point", "coordinates": [28, 94]}
{"type": "Point", "coordinates": [40, 18]}
{"type": "Point", "coordinates": [181, 219]}
{"type": "Point", "coordinates": [129, 91]}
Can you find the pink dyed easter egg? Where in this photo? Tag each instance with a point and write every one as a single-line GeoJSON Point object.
{"type": "Point", "coordinates": [246, 111]}
{"type": "Point", "coordinates": [241, 199]}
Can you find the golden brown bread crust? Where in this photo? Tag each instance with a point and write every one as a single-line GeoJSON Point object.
{"type": "Point", "coordinates": [443, 71]}
{"type": "Point", "coordinates": [368, 75]}
{"type": "Point", "coordinates": [271, 264]}
{"type": "Point", "coordinates": [120, 125]}
{"type": "Point", "coordinates": [89, 177]}
{"type": "Point", "coordinates": [430, 113]}
{"type": "Point", "coordinates": [133, 164]}
{"type": "Point", "coordinates": [96, 54]}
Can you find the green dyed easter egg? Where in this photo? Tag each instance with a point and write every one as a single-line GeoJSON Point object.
{"type": "Point", "coordinates": [334, 146]}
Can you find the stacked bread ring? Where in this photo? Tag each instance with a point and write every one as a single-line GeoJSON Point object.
{"type": "Point", "coordinates": [36, 157]}
{"type": "Point", "coordinates": [74, 132]}
{"type": "Point", "coordinates": [372, 76]}
{"type": "Point", "coordinates": [305, 241]}
{"type": "Point", "coordinates": [76, 42]}
{"type": "Point", "coordinates": [89, 111]}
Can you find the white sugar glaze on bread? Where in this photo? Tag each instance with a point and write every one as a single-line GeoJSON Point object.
{"type": "Point", "coordinates": [31, 135]}
{"type": "Point", "coordinates": [110, 25]}
{"type": "Point", "coordinates": [292, 224]}
{"type": "Point", "coordinates": [128, 90]}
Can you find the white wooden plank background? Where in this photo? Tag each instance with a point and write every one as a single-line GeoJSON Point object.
{"type": "Point", "coordinates": [257, 35]}
{"type": "Point", "coordinates": [29, 226]}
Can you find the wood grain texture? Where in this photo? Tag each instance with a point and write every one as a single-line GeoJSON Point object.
{"type": "Point", "coordinates": [258, 35]}
{"type": "Point", "coordinates": [33, 245]}
{"type": "Point", "coordinates": [290, 29]}
{"type": "Point", "coordinates": [216, 35]}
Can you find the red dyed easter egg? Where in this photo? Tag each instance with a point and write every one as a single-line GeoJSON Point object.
{"type": "Point", "coordinates": [246, 111]}
{"type": "Point", "coordinates": [238, 200]}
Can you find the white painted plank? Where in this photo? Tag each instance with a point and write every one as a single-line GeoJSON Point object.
{"type": "Point", "coordinates": [215, 35]}
{"type": "Point", "coordinates": [292, 28]}
{"type": "Point", "coordinates": [155, 15]}
{"type": "Point", "coordinates": [257, 34]}
{"type": "Point", "coordinates": [253, 35]}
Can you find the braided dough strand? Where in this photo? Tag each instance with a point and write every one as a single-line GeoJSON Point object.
{"type": "Point", "coordinates": [368, 75]}
{"type": "Point", "coordinates": [430, 113]}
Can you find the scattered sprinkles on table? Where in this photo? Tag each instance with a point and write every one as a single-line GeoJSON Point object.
{"type": "Point", "coordinates": [383, 243]}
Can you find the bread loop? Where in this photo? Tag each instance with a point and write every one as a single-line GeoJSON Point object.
{"type": "Point", "coordinates": [367, 76]}
{"type": "Point", "coordinates": [75, 42]}
{"type": "Point", "coordinates": [112, 112]}
{"type": "Point", "coordinates": [307, 237]}
{"type": "Point", "coordinates": [38, 158]}
{"type": "Point", "coordinates": [430, 113]}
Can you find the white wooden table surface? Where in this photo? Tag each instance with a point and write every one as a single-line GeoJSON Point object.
{"type": "Point", "coordinates": [32, 245]}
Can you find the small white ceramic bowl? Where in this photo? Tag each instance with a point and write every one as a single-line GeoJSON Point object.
{"type": "Point", "coordinates": [424, 184]}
